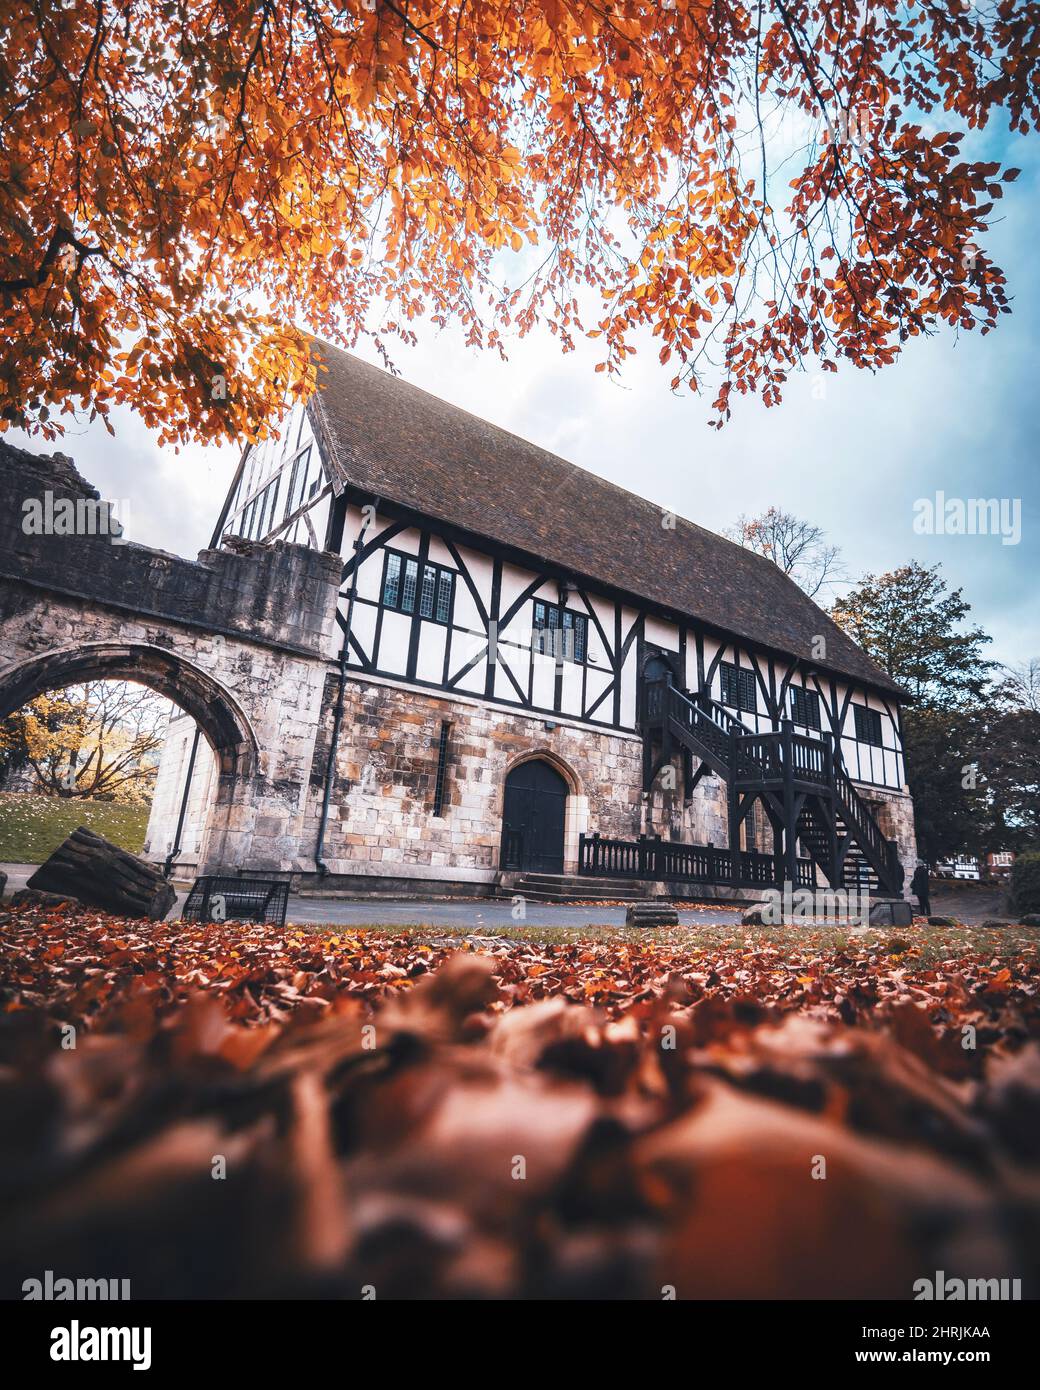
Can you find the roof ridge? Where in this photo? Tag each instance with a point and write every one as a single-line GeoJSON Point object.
{"type": "Point", "coordinates": [442, 459]}
{"type": "Point", "coordinates": [549, 453]}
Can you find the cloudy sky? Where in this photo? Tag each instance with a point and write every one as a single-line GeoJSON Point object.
{"type": "Point", "coordinates": [850, 452]}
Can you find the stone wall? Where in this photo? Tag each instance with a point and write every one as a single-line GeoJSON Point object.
{"type": "Point", "coordinates": [256, 818]}
{"type": "Point", "coordinates": [274, 594]}
{"type": "Point", "coordinates": [241, 641]}
{"type": "Point", "coordinates": [381, 821]}
{"type": "Point", "coordinates": [894, 813]}
{"type": "Point", "coordinates": [168, 796]}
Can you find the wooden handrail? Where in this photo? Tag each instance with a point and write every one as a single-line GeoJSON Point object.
{"type": "Point", "coordinates": [650, 857]}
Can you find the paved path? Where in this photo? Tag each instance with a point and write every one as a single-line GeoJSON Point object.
{"type": "Point", "coordinates": [970, 906]}
{"type": "Point", "coordinates": [17, 875]}
{"type": "Point", "coordinates": [461, 912]}
{"type": "Point", "coordinates": [439, 912]}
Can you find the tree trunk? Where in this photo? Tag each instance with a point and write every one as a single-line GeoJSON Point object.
{"type": "Point", "coordinates": [92, 869]}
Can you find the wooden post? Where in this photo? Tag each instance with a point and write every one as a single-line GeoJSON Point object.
{"type": "Point", "coordinates": [777, 828]}
{"type": "Point", "coordinates": [790, 826]}
{"type": "Point", "coordinates": [834, 873]}
{"type": "Point", "coordinates": [733, 801]}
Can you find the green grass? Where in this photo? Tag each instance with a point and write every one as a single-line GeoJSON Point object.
{"type": "Point", "coordinates": [930, 945]}
{"type": "Point", "coordinates": [32, 827]}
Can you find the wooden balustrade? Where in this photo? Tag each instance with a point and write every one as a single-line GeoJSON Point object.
{"type": "Point", "coordinates": [650, 857]}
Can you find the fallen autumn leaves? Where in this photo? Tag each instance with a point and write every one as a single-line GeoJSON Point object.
{"type": "Point", "coordinates": [582, 1119]}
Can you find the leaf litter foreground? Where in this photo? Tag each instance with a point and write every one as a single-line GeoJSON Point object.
{"type": "Point", "coordinates": [254, 1112]}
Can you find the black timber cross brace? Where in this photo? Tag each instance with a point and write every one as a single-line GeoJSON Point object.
{"type": "Point", "coordinates": [783, 813]}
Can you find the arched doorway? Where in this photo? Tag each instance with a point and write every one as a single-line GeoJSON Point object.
{"type": "Point", "coordinates": [658, 667]}
{"type": "Point", "coordinates": [533, 818]}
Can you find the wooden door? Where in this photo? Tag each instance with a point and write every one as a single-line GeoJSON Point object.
{"type": "Point", "coordinates": [533, 819]}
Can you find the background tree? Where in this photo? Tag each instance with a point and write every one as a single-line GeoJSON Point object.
{"type": "Point", "coordinates": [1018, 687]}
{"type": "Point", "coordinates": [1008, 743]}
{"type": "Point", "coordinates": [908, 621]}
{"type": "Point", "coordinates": [951, 810]}
{"type": "Point", "coordinates": [100, 740]}
{"type": "Point", "coordinates": [184, 189]}
{"type": "Point", "coordinates": [798, 547]}
{"type": "Point", "coordinates": [912, 626]}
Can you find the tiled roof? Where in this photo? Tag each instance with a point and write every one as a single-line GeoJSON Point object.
{"type": "Point", "coordinates": [404, 445]}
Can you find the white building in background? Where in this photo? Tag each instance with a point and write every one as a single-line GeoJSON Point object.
{"type": "Point", "coordinates": [963, 866]}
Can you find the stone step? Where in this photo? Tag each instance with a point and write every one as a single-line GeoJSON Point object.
{"type": "Point", "coordinates": [563, 888]}
{"type": "Point", "coordinates": [580, 881]}
{"type": "Point", "coordinates": [570, 900]}
{"type": "Point", "coordinates": [560, 895]}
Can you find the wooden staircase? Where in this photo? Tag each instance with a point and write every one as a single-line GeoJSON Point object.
{"type": "Point", "coordinates": [856, 869]}
{"type": "Point", "coordinates": [806, 792]}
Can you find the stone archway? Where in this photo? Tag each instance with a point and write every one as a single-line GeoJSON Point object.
{"type": "Point", "coordinates": [240, 641]}
{"type": "Point", "coordinates": [219, 716]}
{"type": "Point", "coordinates": [217, 713]}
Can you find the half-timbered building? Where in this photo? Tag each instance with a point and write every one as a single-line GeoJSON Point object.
{"type": "Point", "coordinates": [542, 674]}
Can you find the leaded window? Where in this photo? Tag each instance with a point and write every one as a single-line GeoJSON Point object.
{"type": "Point", "coordinates": [805, 707]}
{"type": "Point", "coordinates": [738, 687]}
{"type": "Point", "coordinates": [401, 587]}
{"type": "Point", "coordinates": [429, 591]}
{"type": "Point", "coordinates": [445, 588]}
{"type": "Point", "coordinates": [392, 580]}
{"type": "Point", "coordinates": [411, 572]}
{"type": "Point", "coordinates": [559, 632]}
